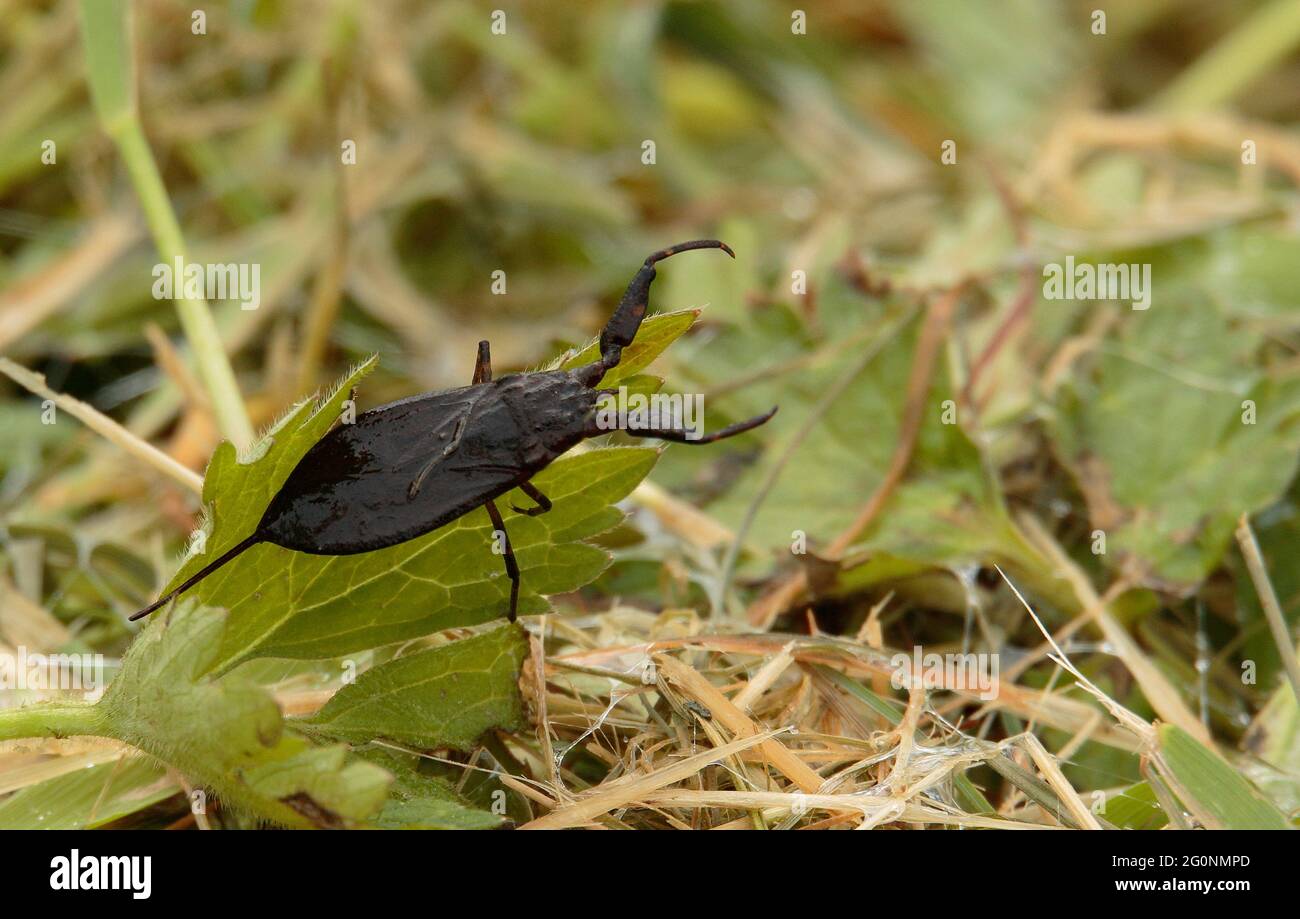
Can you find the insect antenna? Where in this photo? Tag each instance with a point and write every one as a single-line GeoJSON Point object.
{"type": "Point", "coordinates": [201, 574]}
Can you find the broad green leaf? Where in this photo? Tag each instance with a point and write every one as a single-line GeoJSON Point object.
{"type": "Point", "coordinates": [431, 812]}
{"type": "Point", "coordinates": [1157, 435]}
{"type": "Point", "coordinates": [656, 334]}
{"type": "Point", "coordinates": [289, 604]}
{"type": "Point", "coordinates": [1215, 789]}
{"type": "Point", "coordinates": [227, 734]}
{"type": "Point", "coordinates": [237, 490]}
{"type": "Point", "coordinates": [440, 697]}
{"type": "Point", "coordinates": [642, 384]}
{"type": "Point", "coordinates": [88, 798]}
{"type": "Point", "coordinates": [326, 785]}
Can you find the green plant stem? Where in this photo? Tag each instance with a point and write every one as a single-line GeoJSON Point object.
{"type": "Point", "coordinates": [1241, 57]}
{"type": "Point", "coordinates": [51, 719]}
{"type": "Point", "coordinates": [196, 319]}
{"type": "Point", "coordinates": [106, 29]}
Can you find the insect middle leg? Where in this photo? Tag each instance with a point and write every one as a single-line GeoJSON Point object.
{"type": "Point", "coordinates": [512, 566]}
{"type": "Point", "coordinates": [543, 502]}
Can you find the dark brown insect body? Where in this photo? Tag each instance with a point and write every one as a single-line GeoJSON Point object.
{"type": "Point", "coordinates": [439, 455]}
{"type": "Point", "coordinates": [411, 466]}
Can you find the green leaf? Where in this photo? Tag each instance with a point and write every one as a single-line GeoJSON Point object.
{"type": "Point", "coordinates": [948, 510]}
{"type": "Point", "coordinates": [440, 697]}
{"type": "Point", "coordinates": [420, 801]}
{"type": "Point", "coordinates": [291, 604]}
{"type": "Point", "coordinates": [1212, 788]}
{"type": "Point", "coordinates": [656, 334]}
{"type": "Point", "coordinates": [227, 734]}
{"type": "Point", "coordinates": [642, 384]}
{"type": "Point", "coordinates": [237, 490]}
{"type": "Point", "coordinates": [1155, 435]}
{"type": "Point", "coordinates": [88, 798]}
{"type": "Point", "coordinates": [326, 785]}
{"type": "Point", "coordinates": [434, 813]}
{"type": "Point", "coordinates": [1251, 271]}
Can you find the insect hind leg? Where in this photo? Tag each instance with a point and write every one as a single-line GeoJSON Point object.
{"type": "Point", "coordinates": [508, 551]}
{"type": "Point", "coordinates": [623, 325]}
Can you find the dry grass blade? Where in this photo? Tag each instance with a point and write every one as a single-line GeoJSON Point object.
{"type": "Point", "coordinates": [31, 302]}
{"type": "Point", "coordinates": [738, 722]}
{"type": "Point", "coordinates": [762, 681]}
{"type": "Point", "coordinates": [1164, 698]}
{"type": "Point", "coordinates": [106, 427]}
{"type": "Point", "coordinates": [614, 795]}
{"type": "Point", "coordinates": [1125, 717]}
{"type": "Point", "coordinates": [681, 518]}
{"type": "Point", "coordinates": [27, 623]}
{"type": "Point", "coordinates": [1048, 766]}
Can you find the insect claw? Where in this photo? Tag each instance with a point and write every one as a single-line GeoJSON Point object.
{"type": "Point", "coordinates": [621, 329]}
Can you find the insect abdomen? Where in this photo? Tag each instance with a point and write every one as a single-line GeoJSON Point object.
{"type": "Point", "coordinates": [407, 468]}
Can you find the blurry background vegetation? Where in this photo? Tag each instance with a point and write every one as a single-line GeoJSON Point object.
{"type": "Point", "coordinates": [817, 153]}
